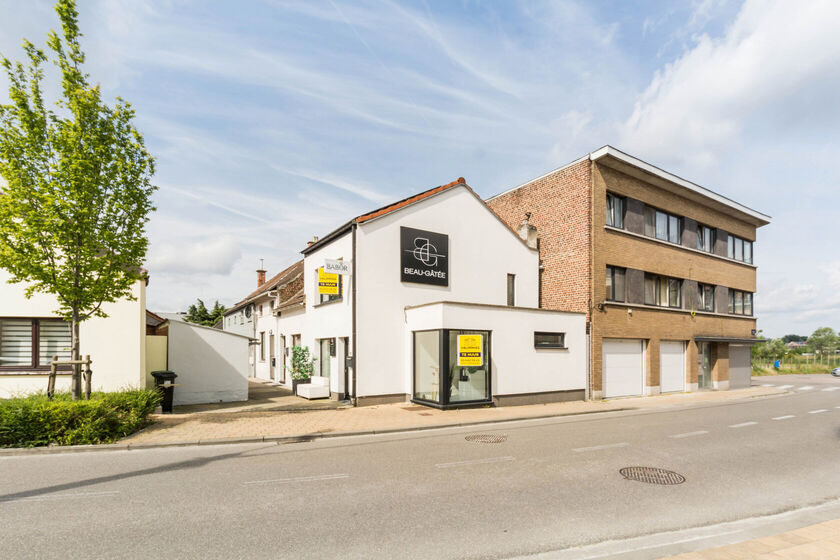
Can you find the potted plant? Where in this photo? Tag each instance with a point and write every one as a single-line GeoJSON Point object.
{"type": "Point", "coordinates": [302, 367]}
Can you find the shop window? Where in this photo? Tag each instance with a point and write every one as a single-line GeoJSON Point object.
{"type": "Point", "coordinates": [616, 206]}
{"type": "Point", "coordinates": [615, 283]}
{"type": "Point", "coordinates": [451, 367]}
{"type": "Point", "coordinates": [31, 343]}
{"type": "Point", "coordinates": [511, 289]}
{"type": "Point", "coordinates": [549, 340]}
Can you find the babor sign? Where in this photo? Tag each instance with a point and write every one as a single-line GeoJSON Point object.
{"type": "Point", "coordinates": [333, 266]}
{"type": "Point", "coordinates": [424, 257]}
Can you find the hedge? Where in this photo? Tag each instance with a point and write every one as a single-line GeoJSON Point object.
{"type": "Point", "coordinates": [35, 420]}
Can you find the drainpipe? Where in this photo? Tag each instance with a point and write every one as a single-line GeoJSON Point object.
{"type": "Point", "coordinates": [355, 269]}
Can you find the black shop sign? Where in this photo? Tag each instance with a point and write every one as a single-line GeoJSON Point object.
{"type": "Point", "coordinates": [424, 257]}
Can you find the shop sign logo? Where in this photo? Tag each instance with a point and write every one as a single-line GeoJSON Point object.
{"type": "Point", "coordinates": [424, 257]}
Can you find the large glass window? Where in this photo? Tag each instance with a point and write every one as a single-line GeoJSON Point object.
{"type": "Point", "coordinates": [31, 343]}
{"type": "Point", "coordinates": [456, 373]}
{"type": "Point", "coordinates": [662, 225]}
{"type": "Point", "coordinates": [740, 303]}
{"type": "Point", "coordinates": [740, 249]}
{"type": "Point", "coordinates": [327, 350]}
{"type": "Point", "coordinates": [663, 291]}
{"type": "Point", "coordinates": [615, 210]}
{"type": "Point", "coordinates": [427, 365]}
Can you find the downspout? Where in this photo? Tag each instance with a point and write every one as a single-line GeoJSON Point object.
{"type": "Point", "coordinates": [355, 269]}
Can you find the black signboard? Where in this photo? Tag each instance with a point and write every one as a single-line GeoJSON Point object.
{"type": "Point", "coordinates": [424, 257]}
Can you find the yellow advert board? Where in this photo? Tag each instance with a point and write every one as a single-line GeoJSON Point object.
{"type": "Point", "coordinates": [470, 350]}
{"type": "Point", "coordinates": [327, 283]}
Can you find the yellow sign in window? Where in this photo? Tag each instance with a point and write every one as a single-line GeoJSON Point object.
{"type": "Point", "coordinates": [327, 283]}
{"type": "Point", "coordinates": [470, 350]}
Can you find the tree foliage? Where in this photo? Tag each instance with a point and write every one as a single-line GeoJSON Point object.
{"type": "Point", "coordinates": [75, 193]}
{"type": "Point", "coordinates": [198, 313]}
{"type": "Point", "coordinates": [823, 340]}
{"type": "Point", "coordinates": [794, 338]}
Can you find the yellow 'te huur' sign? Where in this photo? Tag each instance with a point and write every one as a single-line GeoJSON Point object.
{"type": "Point", "coordinates": [327, 283]}
{"type": "Point", "coordinates": [470, 350]}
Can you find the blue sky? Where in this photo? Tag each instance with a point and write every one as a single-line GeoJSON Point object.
{"type": "Point", "coordinates": [274, 121]}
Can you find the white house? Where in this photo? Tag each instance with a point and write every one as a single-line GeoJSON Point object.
{"type": "Point", "coordinates": [438, 303]}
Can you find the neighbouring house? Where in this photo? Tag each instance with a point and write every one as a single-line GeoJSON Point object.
{"type": "Point", "coordinates": [663, 269]}
{"type": "Point", "coordinates": [432, 299]}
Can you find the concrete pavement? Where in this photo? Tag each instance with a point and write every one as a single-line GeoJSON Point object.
{"type": "Point", "coordinates": [550, 488]}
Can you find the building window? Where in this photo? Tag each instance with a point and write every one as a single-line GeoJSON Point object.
{"type": "Point", "coordinates": [262, 346]}
{"type": "Point", "coordinates": [451, 367]}
{"type": "Point", "coordinates": [663, 291]}
{"type": "Point", "coordinates": [740, 249]}
{"type": "Point", "coordinates": [740, 303]}
{"type": "Point", "coordinates": [615, 283]}
{"type": "Point", "coordinates": [706, 238]}
{"type": "Point", "coordinates": [706, 297]}
{"type": "Point", "coordinates": [31, 343]}
{"type": "Point", "coordinates": [261, 310]}
{"type": "Point", "coordinates": [324, 298]}
{"type": "Point", "coordinates": [549, 340]}
{"type": "Point", "coordinates": [662, 225]}
{"type": "Point", "coordinates": [511, 289]}
{"type": "Point", "coordinates": [616, 206]}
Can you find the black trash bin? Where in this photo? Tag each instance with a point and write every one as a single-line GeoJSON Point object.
{"type": "Point", "coordinates": [164, 381]}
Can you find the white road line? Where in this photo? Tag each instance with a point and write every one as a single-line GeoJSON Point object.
{"type": "Point", "coordinates": [832, 389]}
{"type": "Point", "coordinates": [475, 462]}
{"type": "Point", "coordinates": [785, 386]}
{"type": "Point", "coordinates": [299, 479]}
{"type": "Point", "coordinates": [743, 424]}
{"type": "Point", "coordinates": [837, 407]}
{"type": "Point", "coordinates": [689, 434]}
{"type": "Point", "coordinates": [50, 497]}
{"type": "Point", "coordinates": [805, 388]}
{"type": "Point", "coordinates": [598, 447]}
{"type": "Point", "coordinates": [817, 411]}
{"type": "Point", "coordinates": [784, 417]}
{"type": "Point", "coordinates": [767, 385]}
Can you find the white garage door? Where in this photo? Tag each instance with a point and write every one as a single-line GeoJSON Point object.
{"type": "Point", "coordinates": [671, 366]}
{"type": "Point", "coordinates": [624, 368]}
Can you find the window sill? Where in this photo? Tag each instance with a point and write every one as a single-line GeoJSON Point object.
{"type": "Point", "coordinates": [323, 303]}
{"type": "Point", "coordinates": [551, 347]}
{"type": "Point", "coordinates": [675, 246]}
{"type": "Point", "coordinates": [678, 310]}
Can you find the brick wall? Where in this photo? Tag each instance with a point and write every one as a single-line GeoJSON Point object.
{"type": "Point", "coordinates": [560, 204]}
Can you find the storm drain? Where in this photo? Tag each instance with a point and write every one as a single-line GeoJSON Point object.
{"type": "Point", "coordinates": [652, 475]}
{"type": "Point", "coordinates": [486, 438]}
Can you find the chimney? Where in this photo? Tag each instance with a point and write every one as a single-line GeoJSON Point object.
{"type": "Point", "coordinates": [260, 275]}
{"type": "Point", "coordinates": [314, 240]}
{"type": "Point", "coordinates": [527, 232]}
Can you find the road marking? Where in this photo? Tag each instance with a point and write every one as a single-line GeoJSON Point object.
{"type": "Point", "coordinates": [806, 388]}
{"type": "Point", "coordinates": [831, 389]}
{"type": "Point", "coordinates": [299, 479]}
{"type": "Point", "coordinates": [50, 497]}
{"type": "Point", "coordinates": [475, 462]}
{"type": "Point", "coordinates": [689, 434]}
{"type": "Point", "coordinates": [784, 417]}
{"type": "Point", "coordinates": [785, 386]}
{"type": "Point", "coordinates": [743, 424]}
{"type": "Point", "coordinates": [598, 447]}
{"type": "Point", "coordinates": [817, 411]}
{"type": "Point", "coordinates": [767, 385]}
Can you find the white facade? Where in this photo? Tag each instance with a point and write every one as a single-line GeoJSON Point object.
{"type": "Point", "coordinates": [116, 344]}
{"type": "Point", "coordinates": [482, 253]}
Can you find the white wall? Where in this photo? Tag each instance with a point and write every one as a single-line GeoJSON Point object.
{"type": "Point", "coordinates": [116, 344]}
{"type": "Point", "coordinates": [268, 324]}
{"type": "Point", "coordinates": [482, 251]}
{"type": "Point", "coordinates": [212, 365]}
{"type": "Point", "coordinates": [290, 322]}
{"type": "Point", "coordinates": [516, 366]}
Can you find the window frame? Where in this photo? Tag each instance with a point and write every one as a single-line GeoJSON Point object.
{"type": "Point", "coordinates": [35, 354]}
{"type": "Point", "coordinates": [556, 345]}
{"type": "Point", "coordinates": [737, 244]}
{"type": "Point", "coordinates": [701, 238]}
{"type": "Point", "coordinates": [671, 221]}
{"type": "Point", "coordinates": [702, 300]}
{"type": "Point", "coordinates": [511, 290]}
{"type": "Point", "coordinates": [262, 346]}
{"type": "Point", "coordinates": [611, 219]}
{"type": "Point", "coordinates": [610, 283]}
{"type": "Point", "coordinates": [745, 297]}
{"type": "Point", "coordinates": [662, 291]}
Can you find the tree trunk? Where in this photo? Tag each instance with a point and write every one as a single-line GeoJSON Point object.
{"type": "Point", "coordinates": [76, 382]}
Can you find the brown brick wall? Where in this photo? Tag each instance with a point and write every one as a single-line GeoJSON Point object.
{"type": "Point", "coordinates": [560, 206]}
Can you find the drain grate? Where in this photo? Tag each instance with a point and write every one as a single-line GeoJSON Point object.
{"type": "Point", "coordinates": [652, 475]}
{"type": "Point", "coordinates": [486, 438]}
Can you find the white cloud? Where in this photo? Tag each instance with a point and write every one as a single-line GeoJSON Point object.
{"type": "Point", "coordinates": [211, 256]}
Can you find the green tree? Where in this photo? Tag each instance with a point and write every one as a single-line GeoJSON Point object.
{"type": "Point", "coordinates": [794, 338]}
{"type": "Point", "coordinates": [76, 190]}
{"type": "Point", "coordinates": [198, 313]}
{"type": "Point", "coordinates": [823, 340]}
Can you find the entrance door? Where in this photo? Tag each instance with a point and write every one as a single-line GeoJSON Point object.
{"type": "Point", "coordinates": [271, 359]}
{"type": "Point", "coordinates": [326, 344]}
{"type": "Point", "coordinates": [671, 366]}
{"type": "Point", "coordinates": [623, 367]}
{"type": "Point", "coordinates": [282, 358]}
{"type": "Point", "coordinates": [704, 365]}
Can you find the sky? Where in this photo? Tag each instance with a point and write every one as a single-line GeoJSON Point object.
{"type": "Point", "coordinates": [273, 121]}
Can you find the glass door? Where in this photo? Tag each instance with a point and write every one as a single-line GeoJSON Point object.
{"type": "Point", "coordinates": [469, 366]}
{"type": "Point", "coordinates": [327, 344]}
{"type": "Point", "coordinates": [704, 369]}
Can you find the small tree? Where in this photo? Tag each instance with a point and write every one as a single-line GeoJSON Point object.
{"type": "Point", "coordinates": [77, 191]}
{"type": "Point", "coordinates": [198, 313]}
{"type": "Point", "coordinates": [822, 341]}
{"type": "Point", "coordinates": [303, 364]}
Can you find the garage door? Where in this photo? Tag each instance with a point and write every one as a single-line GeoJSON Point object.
{"type": "Point", "coordinates": [671, 366]}
{"type": "Point", "coordinates": [623, 368]}
{"type": "Point", "coordinates": [740, 368]}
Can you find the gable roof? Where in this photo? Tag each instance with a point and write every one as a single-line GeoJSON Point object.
{"type": "Point", "coordinates": [278, 280]}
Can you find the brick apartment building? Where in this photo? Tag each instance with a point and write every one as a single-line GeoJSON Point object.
{"type": "Point", "coordinates": [662, 267]}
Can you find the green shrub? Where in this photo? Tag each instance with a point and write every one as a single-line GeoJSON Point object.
{"type": "Point", "coordinates": [35, 420]}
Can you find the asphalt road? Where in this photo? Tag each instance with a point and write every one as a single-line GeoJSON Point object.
{"type": "Point", "coordinates": [552, 484]}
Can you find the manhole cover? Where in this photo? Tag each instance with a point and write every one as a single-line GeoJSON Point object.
{"type": "Point", "coordinates": [485, 438]}
{"type": "Point", "coordinates": [652, 475]}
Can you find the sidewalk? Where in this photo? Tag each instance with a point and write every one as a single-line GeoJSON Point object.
{"type": "Point", "coordinates": [234, 423]}
{"type": "Point", "coordinates": [821, 541]}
